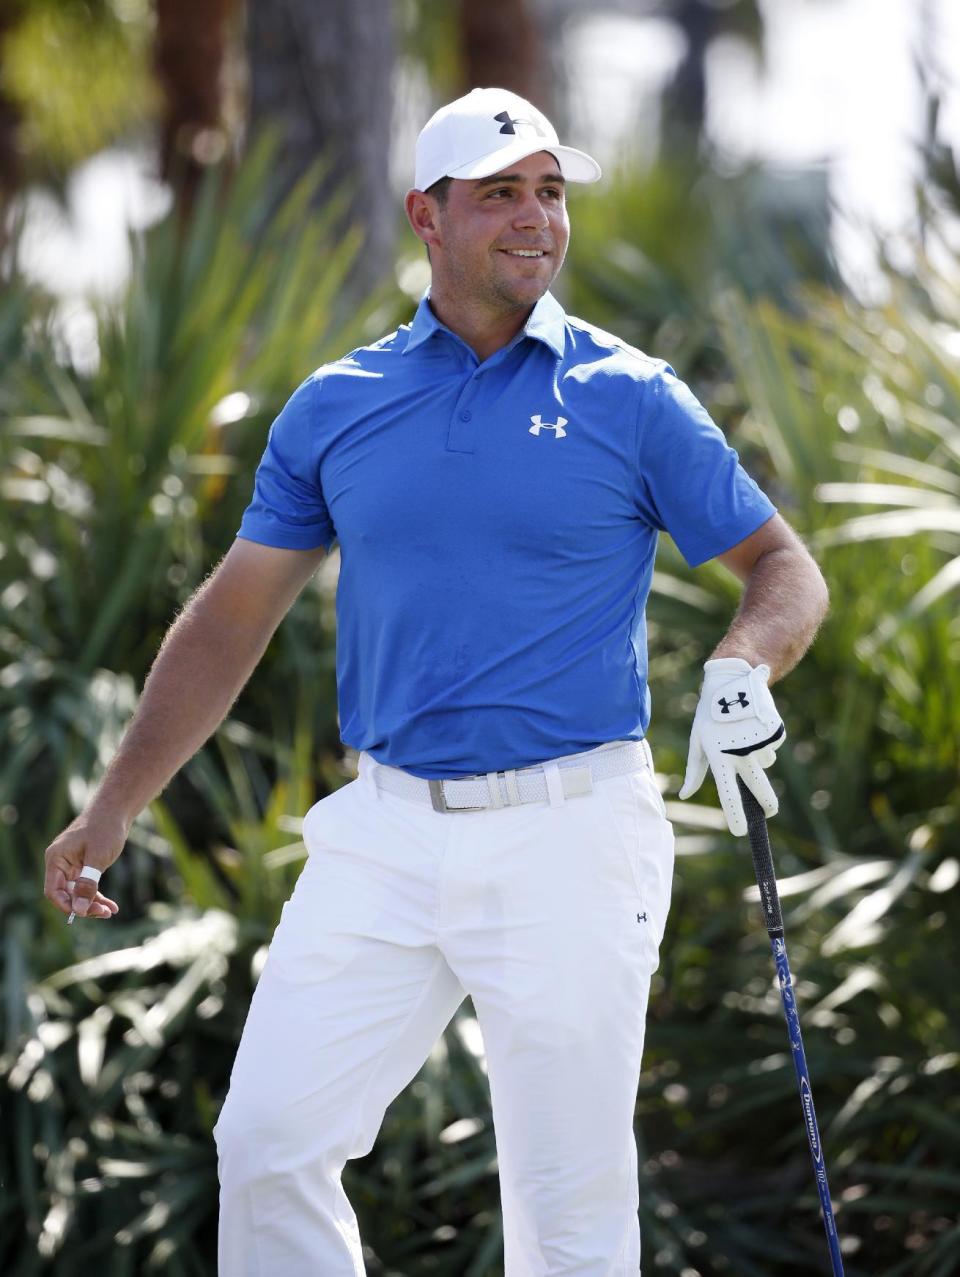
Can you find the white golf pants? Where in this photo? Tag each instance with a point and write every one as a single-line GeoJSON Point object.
{"type": "Point", "coordinates": [549, 915]}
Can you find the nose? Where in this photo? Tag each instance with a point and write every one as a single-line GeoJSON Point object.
{"type": "Point", "coordinates": [529, 213]}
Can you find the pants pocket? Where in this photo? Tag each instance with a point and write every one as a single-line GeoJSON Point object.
{"type": "Point", "coordinates": [322, 819]}
{"type": "Point", "coordinates": [646, 841]}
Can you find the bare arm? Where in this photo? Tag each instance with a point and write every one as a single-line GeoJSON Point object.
{"type": "Point", "coordinates": [782, 606]}
{"type": "Point", "coordinates": [784, 601]}
{"type": "Point", "coordinates": [204, 661]}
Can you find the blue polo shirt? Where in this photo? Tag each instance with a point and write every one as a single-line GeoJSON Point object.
{"type": "Point", "coordinates": [497, 524]}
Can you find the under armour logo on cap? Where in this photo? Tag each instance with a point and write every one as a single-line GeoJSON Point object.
{"type": "Point", "coordinates": [510, 126]}
{"type": "Point", "coordinates": [484, 132]}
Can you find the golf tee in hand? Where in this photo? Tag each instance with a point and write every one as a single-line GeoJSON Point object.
{"type": "Point", "coordinates": [736, 732]}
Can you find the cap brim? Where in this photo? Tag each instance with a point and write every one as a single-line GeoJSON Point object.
{"type": "Point", "coordinates": [576, 166]}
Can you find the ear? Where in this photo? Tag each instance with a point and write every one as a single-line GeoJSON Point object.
{"type": "Point", "coordinates": [423, 215]}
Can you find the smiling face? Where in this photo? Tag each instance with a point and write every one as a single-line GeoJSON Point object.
{"type": "Point", "coordinates": [498, 242]}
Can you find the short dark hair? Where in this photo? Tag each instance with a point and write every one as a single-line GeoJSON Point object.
{"type": "Point", "coordinates": [440, 190]}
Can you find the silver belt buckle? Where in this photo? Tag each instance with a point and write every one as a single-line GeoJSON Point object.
{"type": "Point", "coordinates": [439, 802]}
{"type": "Point", "coordinates": [437, 798]}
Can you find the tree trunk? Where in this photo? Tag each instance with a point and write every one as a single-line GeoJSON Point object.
{"type": "Point", "coordinates": [501, 48]}
{"type": "Point", "coordinates": [323, 73]}
{"type": "Point", "coordinates": [684, 106]}
{"type": "Point", "coordinates": [188, 59]}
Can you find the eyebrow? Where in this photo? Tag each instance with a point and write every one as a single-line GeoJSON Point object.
{"type": "Point", "coordinates": [557, 179]}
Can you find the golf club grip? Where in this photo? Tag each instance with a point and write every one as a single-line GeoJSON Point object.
{"type": "Point", "coordinates": [762, 861]}
{"type": "Point", "coordinates": [770, 902]}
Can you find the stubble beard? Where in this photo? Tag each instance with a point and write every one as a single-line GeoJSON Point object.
{"type": "Point", "coordinates": [492, 292]}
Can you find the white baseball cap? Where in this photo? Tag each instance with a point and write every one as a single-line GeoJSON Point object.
{"type": "Point", "coordinates": [484, 132]}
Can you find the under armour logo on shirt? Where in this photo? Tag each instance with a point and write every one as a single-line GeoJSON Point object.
{"type": "Point", "coordinates": [539, 425]}
{"type": "Point", "coordinates": [509, 125]}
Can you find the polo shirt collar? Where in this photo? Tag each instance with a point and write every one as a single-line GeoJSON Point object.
{"type": "Point", "coordinates": [546, 324]}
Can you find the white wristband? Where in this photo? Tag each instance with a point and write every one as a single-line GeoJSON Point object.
{"type": "Point", "coordinates": [89, 871]}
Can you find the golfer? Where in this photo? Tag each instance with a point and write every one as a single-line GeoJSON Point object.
{"type": "Point", "coordinates": [496, 474]}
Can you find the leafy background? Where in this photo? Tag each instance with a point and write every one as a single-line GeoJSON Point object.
{"type": "Point", "coordinates": [122, 484]}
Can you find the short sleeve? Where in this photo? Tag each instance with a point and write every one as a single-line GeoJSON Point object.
{"type": "Point", "coordinates": [288, 509]}
{"type": "Point", "coordinates": [690, 481]}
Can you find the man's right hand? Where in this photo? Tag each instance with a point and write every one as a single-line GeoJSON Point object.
{"type": "Point", "coordinates": [93, 840]}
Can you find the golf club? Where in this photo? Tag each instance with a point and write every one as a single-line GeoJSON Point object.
{"type": "Point", "coordinates": [773, 918]}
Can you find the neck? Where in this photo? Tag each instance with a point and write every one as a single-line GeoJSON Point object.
{"type": "Point", "coordinates": [484, 333]}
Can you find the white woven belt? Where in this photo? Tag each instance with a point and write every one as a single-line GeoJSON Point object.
{"type": "Point", "coordinates": [511, 788]}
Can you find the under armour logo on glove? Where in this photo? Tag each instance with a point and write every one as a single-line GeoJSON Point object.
{"type": "Point", "coordinates": [726, 706]}
{"type": "Point", "coordinates": [510, 125]}
{"type": "Point", "coordinates": [736, 732]}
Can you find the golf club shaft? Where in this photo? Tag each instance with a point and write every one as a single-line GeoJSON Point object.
{"type": "Point", "coordinates": [773, 918]}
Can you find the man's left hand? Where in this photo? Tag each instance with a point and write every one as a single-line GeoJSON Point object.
{"type": "Point", "coordinates": [736, 732]}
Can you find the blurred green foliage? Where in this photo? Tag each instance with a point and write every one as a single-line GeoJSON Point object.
{"type": "Point", "coordinates": [122, 485]}
{"type": "Point", "coordinates": [79, 72]}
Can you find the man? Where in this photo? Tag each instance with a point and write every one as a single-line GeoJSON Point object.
{"type": "Point", "coordinates": [496, 474]}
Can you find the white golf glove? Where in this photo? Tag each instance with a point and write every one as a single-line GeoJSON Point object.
{"type": "Point", "coordinates": [736, 732]}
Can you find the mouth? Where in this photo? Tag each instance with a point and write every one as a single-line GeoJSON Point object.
{"type": "Point", "coordinates": [529, 254]}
